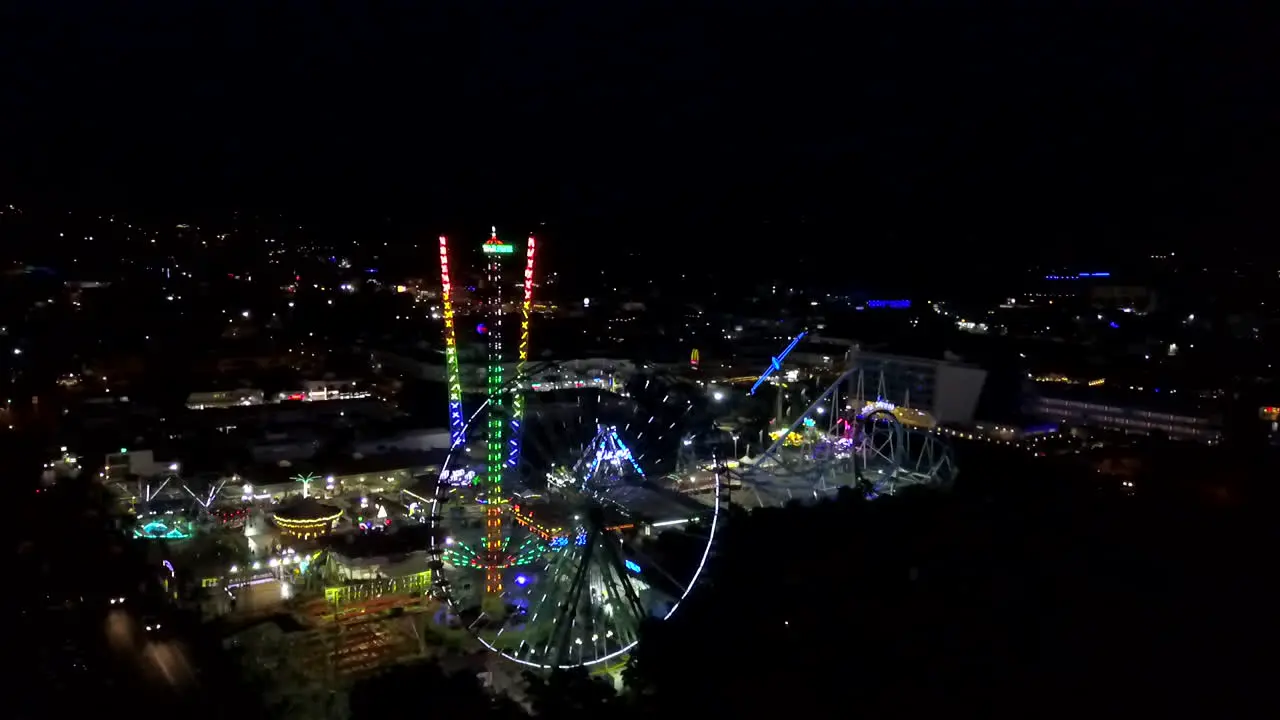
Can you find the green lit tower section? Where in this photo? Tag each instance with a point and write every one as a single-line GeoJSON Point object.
{"type": "Point", "coordinates": [495, 448]}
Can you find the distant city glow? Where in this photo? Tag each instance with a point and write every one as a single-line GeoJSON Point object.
{"type": "Point", "coordinates": [1077, 276]}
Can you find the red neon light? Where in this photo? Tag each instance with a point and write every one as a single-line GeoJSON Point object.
{"type": "Point", "coordinates": [528, 273]}
{"type": "Point", "coordinates": [446, 286]}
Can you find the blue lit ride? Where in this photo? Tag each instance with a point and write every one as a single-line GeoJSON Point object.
{"type": "Point", "coordinates": [775, 363]}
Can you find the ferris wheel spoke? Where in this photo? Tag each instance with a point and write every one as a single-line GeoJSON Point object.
{"type": "Point", "coordinates": [618, 564]}
{"type": "Point", "coordinates": [567, 612]}
{"type": "Point", "coordinates": [540, 620]}
{"type": "Point", "coordinates": [623, 622]}
{"type": "Point", "coordinates": [650, 562]}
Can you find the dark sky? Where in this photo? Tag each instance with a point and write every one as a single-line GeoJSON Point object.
{"type": "Point", "coordinates": [925, 121]}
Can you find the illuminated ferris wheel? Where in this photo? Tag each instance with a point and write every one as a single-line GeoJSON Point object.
{"type": "Point", "coordinates": [561, 521]}
{"type": "Point", "coordinates": [600, 530]}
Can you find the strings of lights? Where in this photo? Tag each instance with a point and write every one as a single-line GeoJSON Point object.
{"type": "Point", "coordinates": [495, 447]}
{"type": "Point", "coordinates": [450, 348]}
{"type": "Point", "coordinates": [526, 519]}
{"type": "Point", "coordinates": [459, 554]}
{"type": "Point", "coordinates": [307, 521]}
{"type": "Point", "coordinates": [517, 402]}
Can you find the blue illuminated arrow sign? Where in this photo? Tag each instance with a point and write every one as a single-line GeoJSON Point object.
{"type": "Point", "coordinates": [775, 363]}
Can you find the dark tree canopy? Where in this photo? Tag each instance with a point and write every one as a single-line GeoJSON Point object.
{"type": "Point", "coordinates": [1023, 593]}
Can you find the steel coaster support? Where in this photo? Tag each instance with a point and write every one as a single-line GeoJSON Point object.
{"type": "Point", "coordinates": [800, 418]}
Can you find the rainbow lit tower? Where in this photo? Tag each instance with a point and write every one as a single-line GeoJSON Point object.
{"type": "Point", "coordinates": [503, 420]}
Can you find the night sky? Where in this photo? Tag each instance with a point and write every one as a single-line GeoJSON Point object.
{"type": "Point", "coordinates": [888, 121]}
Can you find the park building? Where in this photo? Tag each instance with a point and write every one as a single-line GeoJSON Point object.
{"type": "Point", "coordinates": [213, 399]}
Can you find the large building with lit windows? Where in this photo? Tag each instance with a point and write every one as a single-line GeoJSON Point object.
{"type": "Point", "coordinates": [1110, 414]}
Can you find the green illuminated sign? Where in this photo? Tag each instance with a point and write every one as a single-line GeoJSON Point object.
{"type": "Point", "coordinates": [502, 249]}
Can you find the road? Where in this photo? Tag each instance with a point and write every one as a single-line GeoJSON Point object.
{"type": "Point", "coordinates": [163, 662]}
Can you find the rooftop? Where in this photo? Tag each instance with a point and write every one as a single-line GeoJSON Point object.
{"type": "Point", "coordinates": [346, 466]}
{"type": "Point", "coordinates": [306, 509]}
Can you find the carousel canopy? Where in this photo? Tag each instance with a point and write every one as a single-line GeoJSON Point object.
{"type": "Point", "coordinates": [307, 510]}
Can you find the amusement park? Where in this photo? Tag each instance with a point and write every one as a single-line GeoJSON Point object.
{"type": "Point", "coordinates": [570, 508]}
{"type": "Point", "coordinates": [564, 517]}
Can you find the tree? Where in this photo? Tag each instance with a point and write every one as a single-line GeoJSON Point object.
{"type": "Point", "coordinates": [444, 695]}
{"type": "Point", "coordinates": [572, 694]}
{"type": "Point", "coordinates": [1030, 590]}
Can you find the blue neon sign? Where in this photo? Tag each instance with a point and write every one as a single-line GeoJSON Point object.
{"type": "Point", "coordinates": [632, 566]}
{"type": "Point", "coordinates": [1077, 276]}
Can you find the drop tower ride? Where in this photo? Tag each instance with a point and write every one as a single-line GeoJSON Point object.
{"type": "Point", "coordinates": [504, 399]}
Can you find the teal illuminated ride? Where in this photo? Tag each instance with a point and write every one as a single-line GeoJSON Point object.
{"type": "Point", "coordinates": [168, 528]}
